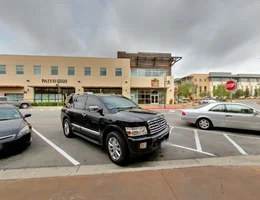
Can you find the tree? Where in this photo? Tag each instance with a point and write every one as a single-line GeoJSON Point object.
{"type": "Point", "coordinates": [185, 90]}
{"type": "Point", "coordinates": [239, 93]}
{"type": "Point", "coordinates": [256, 92]}
{"type": "Point", "coordinates": [247, 93]}
{"type": "Point", "coordinates": [204, 94]}
{"type": "Point", "coordinates": [221, 91]}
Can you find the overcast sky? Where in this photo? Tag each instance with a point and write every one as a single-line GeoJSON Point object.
{"type": "Point", "coordinates": [210, 35]}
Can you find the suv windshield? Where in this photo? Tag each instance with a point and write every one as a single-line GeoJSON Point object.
{"type": "Point", "coordinates": [9, 114]}
{"type": "Point", "coordinates": [115, 102]}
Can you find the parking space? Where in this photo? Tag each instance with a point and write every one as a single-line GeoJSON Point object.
{"type": "Point", "coordinates": [50, 148]}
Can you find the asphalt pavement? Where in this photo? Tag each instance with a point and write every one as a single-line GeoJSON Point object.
{"type": "Point", "coordinates": [50, 148]}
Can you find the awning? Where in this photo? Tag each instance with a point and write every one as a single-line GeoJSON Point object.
{"type": "Point", "coordinates": [101, 87]}
{"type": "Point", "coordinates": [50, 86]}
{"type": "Point", "coordinates": [11, 86]}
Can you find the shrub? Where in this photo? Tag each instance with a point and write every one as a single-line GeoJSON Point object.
{"type": "Point", "coordinates": [47, 104]}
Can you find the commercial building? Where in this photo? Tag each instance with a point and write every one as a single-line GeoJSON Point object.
{"type": "Point", "coordinates": [142, 76]}
{"type": "Point", "coordinates": [250, 81]}
{"type": "Point", "coordinates": [208, 82]}
{"type": "Point", "coordinates": [200, 84]}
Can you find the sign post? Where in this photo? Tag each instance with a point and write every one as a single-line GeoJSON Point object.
{"type": "Point", "coordinates": [231, 86]}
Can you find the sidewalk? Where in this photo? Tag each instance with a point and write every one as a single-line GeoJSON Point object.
{"type": "Point", "coordinates": [196, 183]}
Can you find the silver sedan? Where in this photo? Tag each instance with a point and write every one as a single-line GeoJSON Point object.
{"type": "Point", "coordinates": [226, 115]}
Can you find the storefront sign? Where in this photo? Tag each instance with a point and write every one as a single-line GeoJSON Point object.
{"type": "Point", "coordinates": [155, 83]}
{"type": "Point", "coordinates": [54, 80]}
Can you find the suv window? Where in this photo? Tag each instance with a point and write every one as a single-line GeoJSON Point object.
{"type": "Point", "coordinates": [3, 99]}
{"type": "Point", "coordinates": [80, 102]}
{"type": "Point", "coordinates": [218, 108]}
{"type": "Point", "coordinates": [92, 101]}
{"type": "Point", "coordinates": [239, 109]}
{"type": "Point", "coordinates": [113, 102]}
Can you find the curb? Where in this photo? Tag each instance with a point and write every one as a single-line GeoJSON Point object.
{"type": "Point", "coordinates": [82, 170]}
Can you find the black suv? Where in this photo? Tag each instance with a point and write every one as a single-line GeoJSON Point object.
{"type": "Point", "coordinates": [114, 122]}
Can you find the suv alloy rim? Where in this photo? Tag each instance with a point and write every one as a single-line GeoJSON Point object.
{"type": "Point", "coordinates": [114, 148]}
{"type": "Point", "coordinates": [66, 128]}
{"type": "Point", "coordinates": [204, 123]}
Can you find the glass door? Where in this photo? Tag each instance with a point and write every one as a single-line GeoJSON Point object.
{"type": "Point", "coordinates": [154, 97]}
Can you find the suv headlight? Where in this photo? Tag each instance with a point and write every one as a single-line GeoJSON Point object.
{"type": "Point", "coordinates": [24, 131]}
{"type": "Point", "coordinates": [136, 131]}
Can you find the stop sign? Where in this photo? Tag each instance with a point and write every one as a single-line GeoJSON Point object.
{"type": "Point", "coordinates": [231, 85]}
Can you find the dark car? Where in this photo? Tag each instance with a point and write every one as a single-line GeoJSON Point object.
{"type": "Point", "coordinates": [114, 122]}
{"type": "Point", "coordinates": [14, 129]}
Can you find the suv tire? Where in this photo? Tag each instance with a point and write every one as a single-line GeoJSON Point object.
{"type": "Point", "coordinates": [117, 148]}
{"type": "Point", "coordinates": [67, 128]}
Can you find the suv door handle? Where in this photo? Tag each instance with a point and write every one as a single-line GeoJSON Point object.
{"type": "Point", "coordinates": [84, 114]}
{"type": "Point", "coordinates": [228, 115]}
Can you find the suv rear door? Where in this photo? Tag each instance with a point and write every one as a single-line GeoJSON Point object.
{"type": "Point", "coordinates": [76, 112]}
{"type": "Point", "coordinates": [91, 119]}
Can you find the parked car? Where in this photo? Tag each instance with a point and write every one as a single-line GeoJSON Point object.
{"type": "Point", "coordinates": [14, 129]}
{"type": "Point", "coordinates": [17, 103]}
{"type": "Point", "coordinates": [222, 114]}
{"type": "Point", "coordinates": [115, 123]}
{"type": "Point", "coordinates": [207, 101]}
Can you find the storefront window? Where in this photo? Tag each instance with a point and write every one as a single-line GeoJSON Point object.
{"type": "Point", "coordinates": [104, 90]}
{"type": "Point", "coordinates": [148, 96]}
{"type": "Point", "coordinates": [148, 72]}
{"type": "Point", "coordinates": [51, 94]}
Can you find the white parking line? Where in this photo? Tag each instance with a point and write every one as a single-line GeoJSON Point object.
{"type": "Point", "coordinates": [197, 140]}
{"type": "Point", "coordinates": [190, 149]}
{"type": "Point", "coordinates": [235, 144]}
{"type": "Point", "coordinates": [220, 133]}
{"type": "Point", "coordinates": [72, 160]}
{"type": "Point", "coordinates": [172, 127]}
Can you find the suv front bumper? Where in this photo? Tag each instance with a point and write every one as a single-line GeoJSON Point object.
{"type": "Point", "coordinates": [152, 142]}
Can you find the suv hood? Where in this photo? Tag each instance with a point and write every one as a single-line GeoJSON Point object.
{"type": "Point", "coordinates": [9, 127]}
{"type": "Point", "coordinates": [136, 115]}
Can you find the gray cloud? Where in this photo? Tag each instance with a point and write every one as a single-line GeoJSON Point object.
{"type": "Point", "coordinates": [210, 35]}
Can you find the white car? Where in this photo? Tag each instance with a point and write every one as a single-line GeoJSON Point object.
{"type": "Point", "coordinates": [222, 114]}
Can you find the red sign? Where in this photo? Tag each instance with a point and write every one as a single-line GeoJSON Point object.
{"type": "Point", "coordinates": [231, 85]}
{"type": "Point", "coordinates": [175, 90]}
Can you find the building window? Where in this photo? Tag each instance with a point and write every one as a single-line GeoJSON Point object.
{"type": "Point", "coordinates": [200, 80]}
{"type": "Point", "coordinates": [71, 71]}
{"type": "Point", "coordinates": [54, 70]}
{"type": "Point", "coordinates": [200, 89]}
{"type": "Point", "coordinates": [19, 69]}
{"type": "Point", "coordinates": [205, 88]}
{"type": "Point", "coordinates": [103, 71]}
{"type": "Point", "coordinates": [243, 80]}
{"type": "Point", "coordinates": [148, 72]}
{"type": "Point", "coordinates": [2, 69]}
{"type": "Point", "coordinates": [195, 80]}
{"type": "Point", "coordinates": [118, 72]}
{"type": "Point", "coordinates": [205, 80]}
{"type": "Point", "coordinates": [37, 70]}
{"type": "Point", "coordinates": [104, 90]}
{"type": "Point", "coordinates": [87, 71]}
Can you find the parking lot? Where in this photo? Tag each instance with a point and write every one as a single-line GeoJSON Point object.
{"type": "Point", "coordinates": [50, 148]}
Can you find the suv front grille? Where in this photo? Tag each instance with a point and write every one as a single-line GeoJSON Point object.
{"type": "Point", "coordinates": [157, 125]}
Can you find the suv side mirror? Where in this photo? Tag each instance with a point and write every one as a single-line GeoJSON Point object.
{"type": "Point", "coordinates": [27, 115]}
{"type": "Point", "coordinates": [95, 109]}
{"type": "Point", "coordinates": [255, 112]}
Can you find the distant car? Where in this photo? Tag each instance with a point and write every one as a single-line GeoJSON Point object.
{"type": "Point", "coordinates": [13, 127]}
{"type": "Point", "coordinates": [222, 114]}
{"type": "Point", "coordinates": [207, 101]}
{"type": "Point", "coordinates": [17, 103]}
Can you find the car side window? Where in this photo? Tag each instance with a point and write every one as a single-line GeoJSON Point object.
{"type": "Point", "coordinates": [3, 99]}
{"type": "Point", "coordinates": [92, 101]}
{"type": "Point", "coordinates": [239, 109]}
{"type": "Point", "coordinates": [80, 102]}
{"type": "Point", "coordinates": [218, 108]}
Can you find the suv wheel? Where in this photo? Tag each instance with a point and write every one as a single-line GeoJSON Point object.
{"type": "Point", "coordinates": [25, 105]}
{"type": "Point", "coordinates": [117, 148]}
{"type": "Point", "coordinates": [67, 128]}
